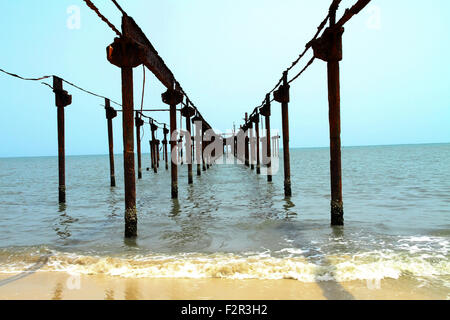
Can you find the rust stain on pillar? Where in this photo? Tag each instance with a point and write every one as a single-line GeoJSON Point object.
{"type": "Point", "coordinates": [110, 115]}
{"type": "Point", "coordinates": [62, 100]}
{"type": "Point", "coordinates": [282, 96]}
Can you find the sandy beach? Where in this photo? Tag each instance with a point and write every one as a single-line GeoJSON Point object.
{"type": "Point", "coordinates": [62, 286]}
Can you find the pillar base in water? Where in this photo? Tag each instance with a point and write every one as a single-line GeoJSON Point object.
{"type": "Point", "coordinates": [174, 191]}
{"type": "Point", "coordinates": [337, 213]}
{"type": "Point", "coordinates": [199, 170]}
{"type": "Point", "coordinates": [130, 223]}
{"type": "Point", "coordinates": [287, 189]}
{"type": "Point", "coordinates": [258, 170]}
{"type": "Point", "coordinates": [62, 194]}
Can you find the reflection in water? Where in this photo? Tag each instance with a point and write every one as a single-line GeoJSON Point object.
{"type": "Point", "coordinates": [113, 203]}
{"type": "Point", "coordinates": [288, 206]}
{"type": "Point", "coordinates": [337, 232]}
{"type": "Point", "coordinates": [62, 225]}
{"type": "Point", "coordinates": [175, 210]}
{"type": "Point", "coordinates": [192, 233]}
{"type": "Point", "coordinates": [130, 242]}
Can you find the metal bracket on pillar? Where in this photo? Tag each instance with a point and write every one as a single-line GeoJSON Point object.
{"type": "Point", "coordinates": [282, 94]}
{"type": "Point", "coordinates": [329, 46]}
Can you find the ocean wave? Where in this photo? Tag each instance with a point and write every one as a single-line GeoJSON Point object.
{"type": "Point", "coordinates": [362, 266]}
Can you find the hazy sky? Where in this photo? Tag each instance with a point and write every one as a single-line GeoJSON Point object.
{"type": "Point", "coordinates": [227, 54]}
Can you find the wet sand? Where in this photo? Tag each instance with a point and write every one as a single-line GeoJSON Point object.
{"type": "Point", "coordinates": [62, 286]}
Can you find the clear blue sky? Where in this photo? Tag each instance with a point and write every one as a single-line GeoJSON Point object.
{"type": "Point", "coordinates": [227, 55]}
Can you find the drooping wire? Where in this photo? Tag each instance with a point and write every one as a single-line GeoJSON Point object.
{"type": "Point", "coordinates": [89, 92]}
{"type": "Point", "coordinates": [23, 78]}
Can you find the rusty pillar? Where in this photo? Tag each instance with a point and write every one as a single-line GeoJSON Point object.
{"type": "Point", "coordinates": [110, 115]}
{"type": "Point", "coordinates": [138, 123]}
{"type": "Point", "coordinates": [188, 145]}
{"type": "Point", "coordinates": [252, 146]}
{"type": "Point", "coordinates": [282, 96]}
{"type": "Point", "coordinates": [286, 151]}
{"type": "Point", "coordinates": [151, 154]}
{"type": "Point", "coordinates": [198, 144]}
{"type": "Point", "coordinates": [62, 100]}
{"type": "Point", "coordinates": [203, 147]}
{"type": "Point", "coordinates": [329, 48]}
{"type": "Point", "coordinates": [128, 155]}
{"type": "Point", "coordinates": [337, 210]}
{"type": "Point", "coordinates": [258, 164]}
{"type": "Point", "coordinates": [173, 151]}
{"type": "Point", "coordinates": [166, 158]}
{"type": "Point", "coordinates": [126, 55]}
{"type": "Point", "coordinates": [154, 147]}
{"type": "Point", "coordinates": [157, 153]}
{"type": "Point", "coordinates": [173, 97]}
{"type": "Point", "coordinates": [269, 153]}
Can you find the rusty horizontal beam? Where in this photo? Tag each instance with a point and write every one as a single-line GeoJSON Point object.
{"type": "Point", "coordinates": [151, 58]}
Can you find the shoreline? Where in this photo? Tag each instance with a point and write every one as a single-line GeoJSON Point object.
{"type": "Point", "coordinates": [63, 286]}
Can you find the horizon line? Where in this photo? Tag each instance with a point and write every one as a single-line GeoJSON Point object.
{"type": "Point", "coordinates": [321, 147]}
